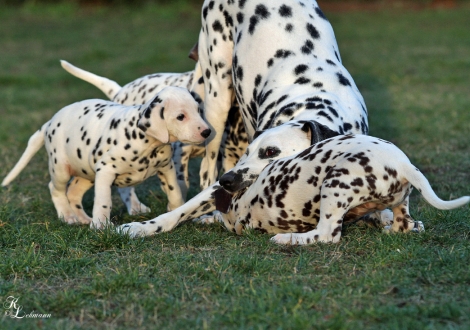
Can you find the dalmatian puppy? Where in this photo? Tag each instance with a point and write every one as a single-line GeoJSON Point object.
{"type": "Point", "coordinates": [104, 143]}
{"type": "Point", "coordinates": [281, 62]}
{"type": "Point", "coordinates": [306, 197]}
{"type": "Point", "coordinates": [141, 91]}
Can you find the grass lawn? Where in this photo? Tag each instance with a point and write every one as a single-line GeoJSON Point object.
{"type": "Point", "coordinates": [413, 69]}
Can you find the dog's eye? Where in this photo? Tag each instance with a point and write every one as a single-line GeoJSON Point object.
{"type": "Point", "coordinates": [271, 152]}
{"type": "Point", "coordinates": [180, 117]}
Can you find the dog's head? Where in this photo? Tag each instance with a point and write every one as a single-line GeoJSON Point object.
{"type": "Point", "coordinates": [274, 143]}
{"type": "Point", "coordinates": [172, 115]}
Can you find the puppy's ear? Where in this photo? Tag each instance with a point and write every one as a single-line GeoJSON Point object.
{"type": "Point", "coordinates": [152, 120]}
{"type": "Point", "coordinates": [193, 53]}
{"type": "Point", "coordinates": [317, 132]}
{"type": "Point", "coordinates": [326, 132]}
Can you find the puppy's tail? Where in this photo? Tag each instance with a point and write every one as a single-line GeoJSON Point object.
{"type": "Point", "coordinates": [419, 181]}
{"type": "Point", "coordinates": [36, 141]}
{"type": "Point", "coordinates": [109, 87]}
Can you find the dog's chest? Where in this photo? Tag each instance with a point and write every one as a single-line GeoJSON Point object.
{"type": "Point", "coordinates": [143, 166]}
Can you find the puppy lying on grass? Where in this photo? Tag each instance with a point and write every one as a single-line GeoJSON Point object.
{"type": "Point", "coordinates": [306, 198]}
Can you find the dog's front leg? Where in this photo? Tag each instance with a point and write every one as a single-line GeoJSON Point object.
{"type": "Point", "coordinates": [102, 203]}
{"type": "Point", "coordinates": [218, 91]}
{"type": "Point", "coordinates": [169, 184]}
{"type": "Point", "coordinates": [194, 208]}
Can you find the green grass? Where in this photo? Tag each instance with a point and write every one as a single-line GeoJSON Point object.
{"type": "Point", "coordinates": [414, 72]}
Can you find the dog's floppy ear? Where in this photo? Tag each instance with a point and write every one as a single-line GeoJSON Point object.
{"type": "Point", "coordinates": [317, 132]}
{"type": "Point", "coordinates": [193, 53]}
{"type": "Point", "coordinates": [152, 120]}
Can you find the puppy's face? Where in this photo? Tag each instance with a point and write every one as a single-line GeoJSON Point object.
{"type": "Point", "coordinates": [174, 115]}
{"type": "Point", "coordinates": [282, 141]}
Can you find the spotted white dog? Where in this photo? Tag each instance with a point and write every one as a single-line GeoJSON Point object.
{"type": "Point", "coordinates": [281, 62]}
{"type": "Point", "coordinates": [142, 90]}
{"type": "Point", "coordinates": [105, 143]}
{"type": "Point", "coordinates": [307, 197]}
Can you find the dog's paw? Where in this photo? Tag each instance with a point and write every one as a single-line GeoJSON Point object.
{"type": "Point", "coordinates": [418, 227]}
{"type": "Point", "coordinates": [307, 238]}
{"type": "Point", "coordinates": [133, 229]}
{"type": "Point", "coordinates": [210, 218]}
{"type": "Point", "coordinates": [98, 225]}
{"type": "Point", "coordinates": [285, 239]}
{"type": "Point", "coordinates": [140, 208]}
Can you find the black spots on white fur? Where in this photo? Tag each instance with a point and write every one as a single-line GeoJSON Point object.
{"type": "Point", "coordinates": [299, 69]}
{"type": "Point", "coordinates": [320, 13]}
{"type": "Point", "coordinates": [239, 73]}
{"type": "Point", "coordinates": [114, 123]}
{"type": "Point", "coordinates": [307, 48]}
{"type": "Point", "coordinates": [343, 80]}
{"type": "Point", "coordinates": [313, 31]}
{"type": "Point", "coordinates": [217, 26]}
{"type": "Point", "coordinates": [79, 153]}
{"type": "Point", "coordinates": [289, 27]}
{"type": "Point", "coordinates": [285, 11]}
{"type": "Point", "coordinates": [240, 18]}
{"type": "Point", "coordinates": [302, 81]}
{"type": "Point", "coordinates": [241, 4]}
{"type": "Point", "coordinates": [254, 20]}
{"type": "Point", "coordinates": [330, 62]}
{"type": "Point", "coordinates": [346, 126]}
{"type": "Point", "coordinates": [257, 80]}
{"type": "Point", "coordinates": [261, 12]}
{"type": "Point", "coordinates": [392, 172]}
{"type": "Point", "coordinates": [283, 53]}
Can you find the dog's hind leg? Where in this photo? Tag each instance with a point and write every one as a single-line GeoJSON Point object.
{"type": "Point", "coordinates": [58, 188]}
{"type": "Point", "coordinates": [133, 204]}
{"type": "Point", "coordinates": [402, 220]}
{"type": "Point", "coordinates": [75, 191]}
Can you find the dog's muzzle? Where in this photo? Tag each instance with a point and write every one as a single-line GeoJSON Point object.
{"type": "Point", "coordinates": [229, 181]}
{"type": "Point", "coordinates": [235, 181]}
{"type": "Point", "coordinates": [205, 133]}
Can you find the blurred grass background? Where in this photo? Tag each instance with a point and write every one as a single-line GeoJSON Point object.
{"type": "Point", "coordinates": [412, 68]}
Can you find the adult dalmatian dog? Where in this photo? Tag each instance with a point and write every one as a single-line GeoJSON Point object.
{"type": "Point", "coordinates": [307, 197]}
{"type": "Point", "coordinates": [142, 90]}
{"type": "Point", "coordinates": [104, 143]}
{"type": "Point", "coordinates": [280, 59]}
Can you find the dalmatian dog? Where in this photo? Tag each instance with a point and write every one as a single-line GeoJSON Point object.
{"type": "Point", "coordinates": [307, 197]}
{"type": "Point", "coordinates": [141, 91]}
{"type": "Point", "coordinates": [281, 62]}
{"type": "Point", "coordinates": [104, 143]}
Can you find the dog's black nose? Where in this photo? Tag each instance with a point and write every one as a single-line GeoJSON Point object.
{"type": "Point", "coordinates": [205, 133]}
{"type": "Point", "coordinates": [227, 181]}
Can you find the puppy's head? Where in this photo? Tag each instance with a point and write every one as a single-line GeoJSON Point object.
{"type": "Point", "coordinates": [274, 143]}
{"type": "Point", "coordinates": [174, 115]}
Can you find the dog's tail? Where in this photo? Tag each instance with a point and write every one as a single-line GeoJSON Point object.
{"type": "Point", "coordinates": [109, 87]}
{"type": "Point", "coordinates": [419, 181]}
{"type": "Point", "coordinates": [36, 141]}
